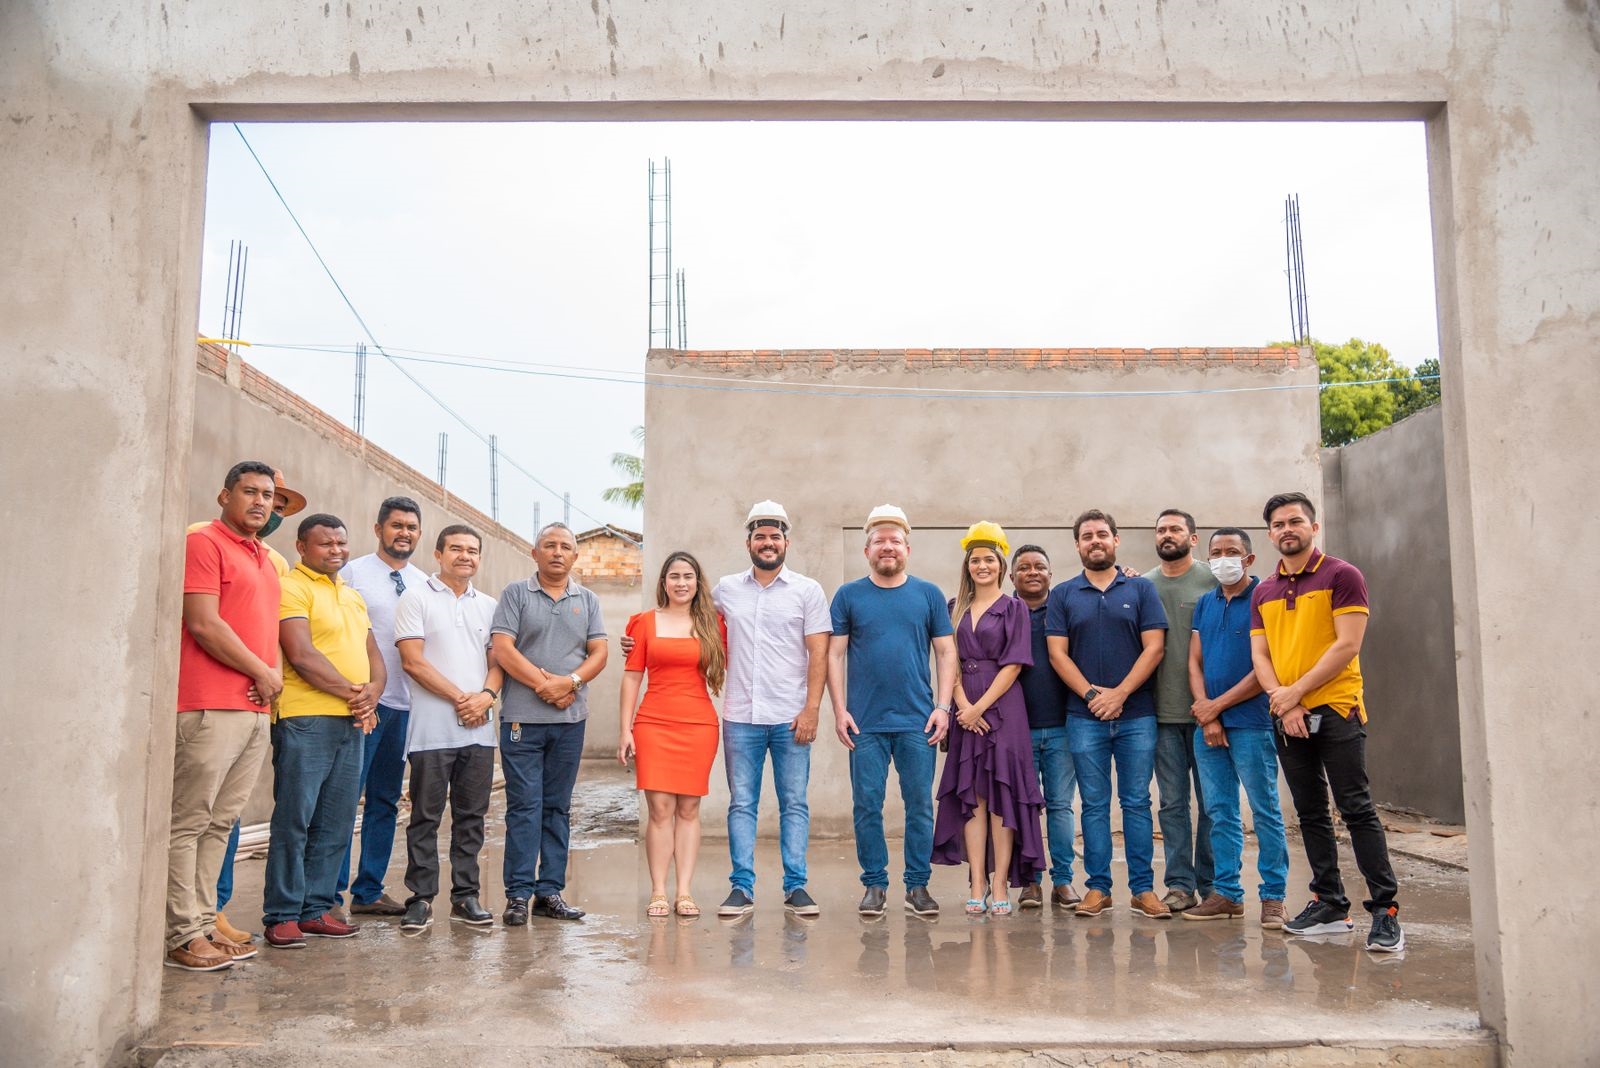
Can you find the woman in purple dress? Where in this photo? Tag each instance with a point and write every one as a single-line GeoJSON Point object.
{"type": "Point", "coordinates": [989, 798]}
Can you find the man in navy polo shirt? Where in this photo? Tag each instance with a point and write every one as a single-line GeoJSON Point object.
{"type": "Point", "coordinates": [1046, 697]}
{"type": "Point", "coordinates": [1106, 632]}
{"type": "Point", "coordinates": [1235, 743]}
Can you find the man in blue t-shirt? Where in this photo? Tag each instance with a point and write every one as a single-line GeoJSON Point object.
{"type": "Point", "coordinates": [1106, 632]}
{"type": "Point", "coordinates": [1235, 744]}
{"type": "Point", "coordinates": [886, 622]}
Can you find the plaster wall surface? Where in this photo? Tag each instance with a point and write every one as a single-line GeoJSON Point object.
{"type": "Point", "coordinates": [1385, 499]}
{"type": "Point", "coordinates": [102, 153]}
{"type": "Point", "coordinates": [1029, 463]}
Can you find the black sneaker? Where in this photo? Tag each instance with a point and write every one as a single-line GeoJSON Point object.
{"type": "Point", "coordinates": [737, 903]}
{"type": "Point", "coordinates": [872, 901]}
{"type": "Point", "coordinates": [467, 910]}
{"type": "Point", "coordinates": [516, 913]}
{"type": "Point", "coordinates": [1386, 935]}
{"type": "Point", "coordinates": [920, 902]}
{"type": "Point", "coordinates": [1318, 918]}
{"type": "Point", "coordinates": [553, 906]}
{"type": "Point", "coordinates": [800, 903]}
{"type": "Point", "coordinates": [419, 915]}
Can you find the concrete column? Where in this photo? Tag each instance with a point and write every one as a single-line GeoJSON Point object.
{"type": "Point", "coordinates": [101, 186]}
{"type": "Point", "coordinates": [1514, 164]}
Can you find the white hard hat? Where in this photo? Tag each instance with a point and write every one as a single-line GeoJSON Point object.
{"type": "Point", "coordinates": [769, 512]}
{"type": "Point", "coordinates": [887, 513]}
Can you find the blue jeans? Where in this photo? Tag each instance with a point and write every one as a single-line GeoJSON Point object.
{"type": "Point", "coordinates": [1251, 758]}
{"type": "Point", "coordinates": [913, 760]}
{"type": "Point", "coordinates": [1131, 744]}
{"type": "Point", "coordinates": [316, 777]}
{"type": "Point", "coordinates": [1058, 779]}
{"type": "Point", "coordinates": [383, 775]}
{"type": "Point", "coordinates": [744, 754]}
{"type": "Point", "coordinates": [225, 876]}
{"type": "Point", "coordinates": [1187, 848]}
{"type": "Point", "coordinates": [541, 767]}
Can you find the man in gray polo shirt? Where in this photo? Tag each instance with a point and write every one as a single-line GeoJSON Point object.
{"type": "Point", "coordinates": [550, 640]}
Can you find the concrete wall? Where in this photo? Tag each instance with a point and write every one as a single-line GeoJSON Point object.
{"type": "Point", "coordinates": [102, 168]}
{"type": "Point", "coordinates": [1384, 504]}
{"type": "Point", "coordinates": [1030, 463]}
{"type": "Point", "coordinates": [242, 414]}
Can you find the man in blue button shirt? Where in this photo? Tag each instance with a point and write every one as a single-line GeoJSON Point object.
{"type": "Point", "coordinates": [1106, 633]}
{"type": "Point", "coordinates": [1235, 743]}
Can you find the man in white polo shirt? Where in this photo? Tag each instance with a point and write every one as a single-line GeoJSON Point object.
{"type": "Point", "coordinates": [441, 629]}
{"type": "Point", "coordinates": [778, 629]}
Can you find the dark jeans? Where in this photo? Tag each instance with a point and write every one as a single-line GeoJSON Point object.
{"type": "Point", "coordinates": [1336, 756]}
{"type": "Point", "coordinates": [913, 760]}
{"type": "Point", "coordinates": [316, 775]}
{"type": "Point", "coordinates": [225, 876]}
{"type": "Point", "coordinates": [462, 776]}
{"type": "Point", "coordinates": [541, 767]}
{"type": "Point", "coordinates": [383, 776]}
{"type": "Point", "coordinates": [1185, 846]}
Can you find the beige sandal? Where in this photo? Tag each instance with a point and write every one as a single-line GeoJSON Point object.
{"type": "Point", "coordinates": [687, 907]}
{"type": "Point", "coordinates": [658, 906]}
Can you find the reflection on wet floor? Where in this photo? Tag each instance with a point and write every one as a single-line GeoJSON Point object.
{"type": "Point", "coordinates": [619, 979]}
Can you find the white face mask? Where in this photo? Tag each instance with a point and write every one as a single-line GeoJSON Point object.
{"type": "Point", "coordinates": [1228, 569]}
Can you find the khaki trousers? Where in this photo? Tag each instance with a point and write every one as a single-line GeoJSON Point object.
{"type": "Point", "coordinates": [219, 754]}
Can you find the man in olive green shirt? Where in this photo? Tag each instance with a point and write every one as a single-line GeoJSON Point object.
{"type": "Point", "coordinates": [1180, 582]}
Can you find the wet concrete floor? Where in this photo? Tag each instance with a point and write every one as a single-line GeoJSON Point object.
{"type": "Point", "coordinates": [773, 982]}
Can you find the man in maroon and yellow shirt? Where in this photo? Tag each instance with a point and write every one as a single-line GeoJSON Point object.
{"type": "Point", "coordinates": [228, 675]}
{"type": "Point", "coordinates": [1306, 624]}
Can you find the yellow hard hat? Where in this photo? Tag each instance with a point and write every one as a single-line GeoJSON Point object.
{"type": "Point", "coordinates": [984, 532]}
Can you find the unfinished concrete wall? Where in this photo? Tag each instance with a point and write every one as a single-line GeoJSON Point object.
{"type": "Point", "coordinates": [1031, 463]}
{"type": "Point", "coordinates": [242, 414]}
{"type": "Point", "coordinates": [102, 162]}
{"type": "Point", "coordinates": [1384, 500]}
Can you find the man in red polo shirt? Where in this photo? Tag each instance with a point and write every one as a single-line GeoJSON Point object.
{"type": "Point", "coordinates": [228, 674]}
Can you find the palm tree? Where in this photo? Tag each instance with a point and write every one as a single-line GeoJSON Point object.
{"type": "Point", "coordinates": [631, 467]}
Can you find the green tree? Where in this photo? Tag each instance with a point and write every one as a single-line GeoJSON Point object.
{"type": "Point", "coordinates": [1412, 397]}
{"type": "Point", "coordinates": [1354, 411]}
{"type": "Point", "coordinates": [631, 467]}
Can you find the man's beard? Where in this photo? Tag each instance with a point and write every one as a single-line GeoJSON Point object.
{"type": "Point", "coordinates": [888, 568]}
{"type": "Point", "coordinates": [1105, 563]}
{"type": "Point", "coordinates": [766, 564]}
{"type": "Point", "coordinates": [400, 554]}
{"type": "Point", "coordinates": [1172, 552]}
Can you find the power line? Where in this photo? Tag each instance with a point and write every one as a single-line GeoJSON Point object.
{"type": "Point", "coordinates": [413, 379]}
{"type": "Point", "coordinates": [844, 391]}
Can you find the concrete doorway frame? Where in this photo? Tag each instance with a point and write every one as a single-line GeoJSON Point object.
{"type": "Point", "coordinates": [103, 171]}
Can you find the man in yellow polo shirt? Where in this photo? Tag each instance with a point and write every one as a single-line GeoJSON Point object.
{"type": "Point", "coordinates": [1306, 624]}
{"type": "Point", "coordinates": [332, 677]}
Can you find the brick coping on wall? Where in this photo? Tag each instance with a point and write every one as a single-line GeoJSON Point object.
{"type": "Point", "coordinates": [214, 360]}
{"type": "Point", "coordinates": [1277, 358]}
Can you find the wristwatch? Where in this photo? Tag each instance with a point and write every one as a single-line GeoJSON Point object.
{"type": "Point", "coordinates": [942, 708]}
{"type": "Point", "coordinates": [577, 681]}
{"type": "Point", "coordinates": [493, 695]}
{"type": "Point", "coordinates": [1090, 694]}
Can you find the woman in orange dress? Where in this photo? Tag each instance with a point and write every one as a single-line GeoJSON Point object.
{"type": "Point", "coordinates": [682, 646]}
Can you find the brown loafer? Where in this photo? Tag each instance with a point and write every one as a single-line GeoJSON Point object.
{"type": "Point", "coordinates": [1147, 904]}
{"type": "Point", "coordinates": [1064, 896]}
{"type": "Point", "coordinates": [384, 906]}
{"type": "Point", "coordinates": [233, 949]}
{"type": "Point", "coordinates": [1032, 897]}
{"type": "Point", "coordinates": [1215, 907]}
{"type": "Point", "coordinates": [1272, 915]}
{"type": "Point", "coordinates": [198, 956]}
{"type": "Point", "coordinates": [1093, 903]}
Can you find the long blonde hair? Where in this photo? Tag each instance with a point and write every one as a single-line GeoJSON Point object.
{"type": "Point", "coordinates": [967, 590]}
{"type": "Point", "coordinates": [703, 620]}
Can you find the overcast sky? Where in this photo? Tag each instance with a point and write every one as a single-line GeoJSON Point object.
{"type": "Point", "coordinates": [528, 242]}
